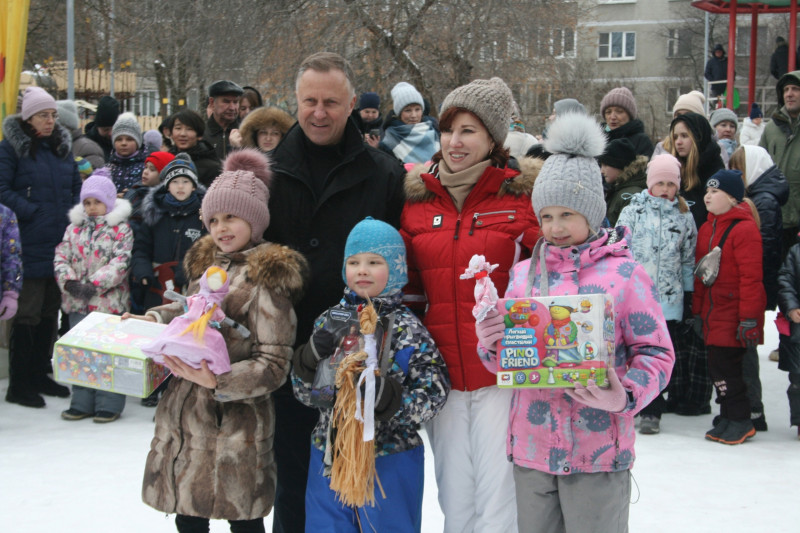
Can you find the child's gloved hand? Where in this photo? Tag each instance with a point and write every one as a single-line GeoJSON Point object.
{"type": "Point", "coordinates": [388, 396]}
{"type": "Point", "coordinates": [8, 305]}
{"type": "Point", "coordinates": [322, 344]}
{"type": "Point", "coordinates": [490, 330]}
{"type": "Point", "coordinates": [697, 326]}
{"type": "Point", "coordinates": [613, 399]}
{"type": "Point", "coordinates": [86, 291]}
{"type": "Point", "coordinates": [73, 287]}
{"type": "Point", "coordinates": [747, 332]}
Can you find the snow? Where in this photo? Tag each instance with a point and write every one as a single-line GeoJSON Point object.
{"type": "Point", "coordinates": [80, 476]}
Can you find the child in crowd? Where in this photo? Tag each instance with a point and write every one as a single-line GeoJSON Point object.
{"type": "Point", "coordinates": [624, 174]}
{"type": "Point", "coordinates": [663, 240]}
{"type": "Point", "coordinates": [91, 268]}
{"type": "Point", "coordinates": [789, 348]}
{"type": "Point", "coordinates": [10, 263]}
{"type": "Point", "coordinates": [126, 161]}
{"type": "Point", "coordinates": [725, 123]}
{"type": "Point", "coordinates": [170, 225]}
{"type": "Point", "coordinates": [752, 127]}
{"type": "Point", "coordinates": [565, 469]}
{"type": "Point", "coordinates": [154, 163]}
{"type": "Point", "coordinates": [730, 312]}
{"type": "Point", "coordinates": [766, 186]}
{"type": "Point", "coordinates": [411, 388]}
{"type": "Point", "coordinates": [211, 456]}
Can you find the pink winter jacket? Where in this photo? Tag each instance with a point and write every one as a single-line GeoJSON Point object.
{"type": "Point", "coordinates": [547, 430]}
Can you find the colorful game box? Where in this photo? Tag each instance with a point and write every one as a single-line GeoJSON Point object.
{"type": "Point", "coordinates": [555, 341]}
{"type": "Point", "coordinates": [102, 352]}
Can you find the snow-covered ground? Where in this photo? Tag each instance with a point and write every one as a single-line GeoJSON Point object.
{"type": "Point", "coordinates": [83, 477]}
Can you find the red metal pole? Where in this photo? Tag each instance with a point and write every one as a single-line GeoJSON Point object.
{"type": "Point", "coordinates": [731, 53]}
{"type": "Point", "coordinates": [792, 35]}
{"type": "Point", "coordinates": [751, 76]}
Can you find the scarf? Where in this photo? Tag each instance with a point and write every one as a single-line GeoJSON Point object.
{"type": "Point", "coordinates": [411, 143]}
{"type": "Point", "coordinates": [460, 184]}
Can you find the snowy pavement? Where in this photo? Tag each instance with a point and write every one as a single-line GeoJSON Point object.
{"type": "Point", "coordinates": [79, 477]}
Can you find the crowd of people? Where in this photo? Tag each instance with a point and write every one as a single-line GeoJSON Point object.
{"type": "Point", "coordinates": [341, 207]}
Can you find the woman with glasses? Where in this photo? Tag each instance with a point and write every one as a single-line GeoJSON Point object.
{"type": "Point", "coordinates": [39, 181]}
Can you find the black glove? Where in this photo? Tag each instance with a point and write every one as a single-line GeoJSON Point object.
{"type": "Point", "coordinates": [687, 306]}
{"type": "Point", "coordinates": [388, 397]}
{"type": "Point", "coordinates": [697, 326]}
{"type": "Point", "coordinates": [73, 287]}
{"type": "Point", "coordinates": [747, 332]}
{"type": "Point", "coordinates": [87, 291]}
{"type": "Point", "coordinates": [322, 344]}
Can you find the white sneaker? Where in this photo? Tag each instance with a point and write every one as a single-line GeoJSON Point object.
{"type": "Point", "coordinates": [773, 356]}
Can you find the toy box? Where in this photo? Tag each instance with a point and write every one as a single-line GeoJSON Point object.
{"type": "Point", "coordinates": [555, 341]}
{"type": "Point", "coordinates": [102, 352]}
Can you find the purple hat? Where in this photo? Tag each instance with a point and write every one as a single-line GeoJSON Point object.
{"type": "Point", "coordinates": [36, 99]}
{"type": "Point", "coordinates": [100, 187]}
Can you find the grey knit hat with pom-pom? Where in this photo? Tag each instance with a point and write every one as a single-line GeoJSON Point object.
{"type": "Point", "coordinates": [571, 176]}
{"type": "Point", "coordinates": [490, 100]}
{"type": "Point", "coordinates": [241, 190]}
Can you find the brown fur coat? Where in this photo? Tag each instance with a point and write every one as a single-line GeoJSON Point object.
{"type": "Point", "coordinates": [211, 455]}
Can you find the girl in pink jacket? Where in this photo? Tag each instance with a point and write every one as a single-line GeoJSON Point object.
{"type": "Point", "coordinates": [572, 449]}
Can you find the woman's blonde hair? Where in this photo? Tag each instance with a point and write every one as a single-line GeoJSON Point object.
{"type": "Point", "coordinates": [689, 177]}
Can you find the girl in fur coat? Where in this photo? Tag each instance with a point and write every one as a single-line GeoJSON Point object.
{"type": "Point", "coordinates": [211, 456]}
{"type": "Point", "coordinates": [572, 449]}
{"type": "Point", "coordinates": [91, 268]}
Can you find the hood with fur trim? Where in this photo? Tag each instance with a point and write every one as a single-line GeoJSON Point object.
{"type": "Point", "coordinates": [635, 172]}
{"type": "Point", "coordinates": [516, 183]}
{"type": "Point", "coordinates": [273, 266]}
{"type": "Point", "coordinates": [121, 213]}
{"type": "Point", "coordinates": [22, 142]}
{"type": "Point", "coordinates": [261, 118]}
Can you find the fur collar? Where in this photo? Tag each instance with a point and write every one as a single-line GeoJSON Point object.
{"type": "Point", "coordinates": [635, 171]}
{"type": "Point", "coordinates": [22, 142]}
{"type": "Point", "coordinates": [516, 185]}
{"type": "Point", "coordinates": [275, 267]}
{"type": "Point", "coordinates": [121, 212]}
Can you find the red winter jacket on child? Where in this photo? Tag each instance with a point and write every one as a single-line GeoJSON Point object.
{"type": "Point", "coordinates": [738, 292]}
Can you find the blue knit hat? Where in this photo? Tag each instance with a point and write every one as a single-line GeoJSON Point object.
{"type": "Point", "coordinates": [372, 236]}
{"type": "Point", "coordinates": [755, 111]}
{"type": "Point", "coordinates": [729, 181]}
{"type": "Point", "coordinates": [369, 100]}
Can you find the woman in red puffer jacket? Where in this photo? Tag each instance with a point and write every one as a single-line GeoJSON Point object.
{"type": "Point", "coordinates": [468, 202]}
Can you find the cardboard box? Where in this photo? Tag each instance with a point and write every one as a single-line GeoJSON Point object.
{"type": "Point", "coordinates": [555, 341]}
{"type": "Point", "coordinates": [102, 352]}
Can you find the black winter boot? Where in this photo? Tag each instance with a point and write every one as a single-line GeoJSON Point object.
{"type": "Point", "coordinates": [43, 349]}
{"type": "Point", "coordinates": [737, 432]}
{"type": "Point", "coordinates": [720, 425]}
{"type": "Point", "coordinates": [21, 389]}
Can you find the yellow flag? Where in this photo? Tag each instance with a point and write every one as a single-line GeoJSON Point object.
{"type": "Point", "coordinates": [13, 34]}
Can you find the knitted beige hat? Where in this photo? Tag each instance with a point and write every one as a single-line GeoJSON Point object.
{"type": "Point", "coordinates": [692, 101]}
{"type": "Point", "coordinates": [490, 100]}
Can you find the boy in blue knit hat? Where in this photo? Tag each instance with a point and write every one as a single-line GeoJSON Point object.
{"type": "Point", "coordinates": [411, 389]}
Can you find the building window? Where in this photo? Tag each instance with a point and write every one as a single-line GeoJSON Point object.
{"type": "Point", "coordinates": [617, 45]}
{"type": "Point", "coordinates": [563, 42]}
{"type": "Point", "coordinates": [679, 43]}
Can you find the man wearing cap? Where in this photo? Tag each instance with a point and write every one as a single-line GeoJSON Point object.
{"type": "Point", "coordinates": [781, 138]}
{"type": "Point", "coordinates": [223, 98]}
{"type": "Point", "coordinates": [325, 180]}
{"type": "Point", "coordinates": [99, 130]}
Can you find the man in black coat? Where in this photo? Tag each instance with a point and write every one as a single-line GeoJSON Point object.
{"type": "Point", "coordinates": [223, 98]}
{"type": "Point", "coordinates": [717, 70]}
{"type": "Point", "coordinates": [325, 180]}
{"type": "Point", "coordinates": [99, 130]}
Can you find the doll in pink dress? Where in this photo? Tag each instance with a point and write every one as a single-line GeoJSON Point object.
{"type": "Point", "coordinates": [194, 336]}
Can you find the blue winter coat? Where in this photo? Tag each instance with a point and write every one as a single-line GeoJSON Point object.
{"type": "Point", "coordinates": [663, 240]}
{"type": "Point", "coordinates": [40, 190]}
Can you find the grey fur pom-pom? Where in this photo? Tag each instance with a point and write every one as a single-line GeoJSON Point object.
{"type": "Point", "coordinates": [575, 134]}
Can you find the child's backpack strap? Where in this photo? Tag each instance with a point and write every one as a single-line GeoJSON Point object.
{"type": "Point", "coordinates": [725, 235]}
{"type": "Point", "coordinates": [538, 257]}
